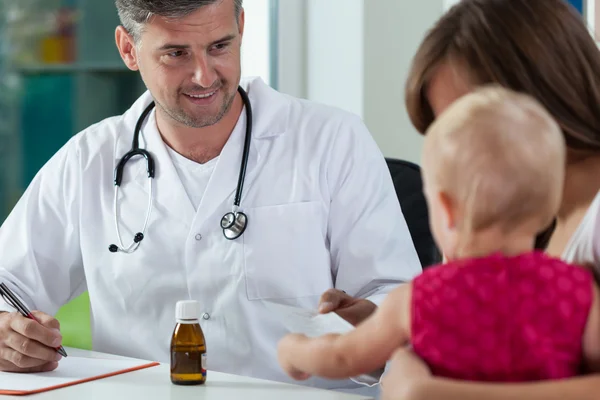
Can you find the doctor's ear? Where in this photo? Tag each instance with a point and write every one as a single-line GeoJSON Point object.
{"type": "Point", "coordinates": [127, 48]}
{"type": "Point", "coordinates": [242, 22]}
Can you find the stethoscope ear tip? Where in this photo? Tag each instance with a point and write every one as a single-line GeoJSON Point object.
{"type": "Point", "coordinates": [113, 248]}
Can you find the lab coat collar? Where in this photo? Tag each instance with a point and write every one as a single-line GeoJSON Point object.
{"type": "Point", "coordinates": [168, 189]}
{"type": "Point", "coordinates": [170, 195]}
{"type": "Point", "coordinates": [269, 119]}
{"type": "Point", "coordinates": [270, 115]}
{"type": "Point", "coordinates": [270, 108]}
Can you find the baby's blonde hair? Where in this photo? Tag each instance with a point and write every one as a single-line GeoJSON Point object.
{"type": "Point", "coordinates": [499, 157]}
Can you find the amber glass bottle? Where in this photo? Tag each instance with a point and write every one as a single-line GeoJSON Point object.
{"type": "Point", "coordinates": [188, 348]}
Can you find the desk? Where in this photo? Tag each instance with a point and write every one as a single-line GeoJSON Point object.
{"type": "Point", "coordinates": [154, 384]}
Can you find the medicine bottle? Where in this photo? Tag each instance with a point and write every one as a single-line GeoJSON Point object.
{"type": "Point", "coordinates": [188, 347]}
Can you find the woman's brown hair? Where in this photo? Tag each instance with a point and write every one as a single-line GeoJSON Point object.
{"type": "Point", "coordinates": [538, 47]}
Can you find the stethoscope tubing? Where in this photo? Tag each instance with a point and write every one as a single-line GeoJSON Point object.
{"type": "Point", "coordinates": [233, 223]}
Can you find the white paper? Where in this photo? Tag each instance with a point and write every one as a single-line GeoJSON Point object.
{"type": "Point", "coordinates": [309, 322]}
{"type": "Point", "coordinates": [313, 324]}
{"type": "Point", "coordinates": [70, 369]}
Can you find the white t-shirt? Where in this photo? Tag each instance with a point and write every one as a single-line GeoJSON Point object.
{"type": "Point", "coordinates": [584, 245]}
{"type": "Point", "coordinates": [194, 176]}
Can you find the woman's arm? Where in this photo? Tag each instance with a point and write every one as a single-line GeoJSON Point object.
{"type": "Point", "coordinates": [591, 335]}
{"type": "Point", "coordinates": [409, 379]}
{"type": "Point", "coordinates": [585, 388]}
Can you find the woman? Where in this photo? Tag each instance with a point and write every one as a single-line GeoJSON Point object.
{"type": "Point", "coordinates": [540, 47]}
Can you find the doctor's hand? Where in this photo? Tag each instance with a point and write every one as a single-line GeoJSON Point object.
{"type": "Point", "coordinates": [352, 310]}
{"type": "Point", "coordinates": [28, 346]}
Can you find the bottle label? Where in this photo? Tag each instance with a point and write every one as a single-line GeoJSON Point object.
{"type": "Point", "coordinates": [204, 361]}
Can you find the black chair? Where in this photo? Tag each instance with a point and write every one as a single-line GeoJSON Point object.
{"type": "Point", "coordinates": [409, 189]}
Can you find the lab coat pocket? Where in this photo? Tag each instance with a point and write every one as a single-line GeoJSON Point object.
{"type": "Point", "coordinates": [286, 251]}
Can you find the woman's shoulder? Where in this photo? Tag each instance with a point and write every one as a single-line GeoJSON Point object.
{"type": "Point", "coordinates": [584, 246]}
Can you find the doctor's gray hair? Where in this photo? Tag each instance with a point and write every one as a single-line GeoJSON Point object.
{"type": "Point", "coordinates": [135, 13]}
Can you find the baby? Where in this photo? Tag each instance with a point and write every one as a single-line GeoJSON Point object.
{"type": "Point", "coordinates": [493, 170]}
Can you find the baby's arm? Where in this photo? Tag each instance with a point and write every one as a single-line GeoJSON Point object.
{"type": "Point", "coordinates": [363, 350]}
{"type": "Point", "coordinates": [591, 336]}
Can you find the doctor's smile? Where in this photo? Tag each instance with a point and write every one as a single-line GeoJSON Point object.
{"type": "Point", "coordinates": [205, 96]}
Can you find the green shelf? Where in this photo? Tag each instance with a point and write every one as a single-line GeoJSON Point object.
{"type": "Point", "coordinates": [56, 101]}
{"type": "Point", "coordinates": [68, 68]}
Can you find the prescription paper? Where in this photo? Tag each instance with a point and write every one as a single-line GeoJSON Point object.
{"type": "Point", "coordinates": [71, 370]}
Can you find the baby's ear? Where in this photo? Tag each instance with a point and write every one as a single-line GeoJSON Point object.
{"type": "Point", "coordinates": [448, 208]}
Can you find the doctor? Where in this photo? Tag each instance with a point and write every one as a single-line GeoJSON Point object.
{"type": "Point", "coordinates": [312, 208]}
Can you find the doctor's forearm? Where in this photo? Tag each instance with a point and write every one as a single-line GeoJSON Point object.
{"type": "Point", "coordinates": [583, 388]}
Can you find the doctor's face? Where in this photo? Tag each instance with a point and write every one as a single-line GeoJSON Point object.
{"type": "Point", "coordinates": [192, 65]}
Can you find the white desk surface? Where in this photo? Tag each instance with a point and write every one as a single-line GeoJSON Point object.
{"type": "Point", "coordinates": [154, 383]}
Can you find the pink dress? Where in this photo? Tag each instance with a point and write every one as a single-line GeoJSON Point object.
{"type": "Point", "coordinates": [502, 319]}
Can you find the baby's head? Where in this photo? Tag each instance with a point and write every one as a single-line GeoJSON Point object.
{"type": "Point", "coordinates": [493, 162]}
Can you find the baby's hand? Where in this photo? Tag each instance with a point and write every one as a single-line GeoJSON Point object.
{"type": "Point", "coordinates": [285, 351]}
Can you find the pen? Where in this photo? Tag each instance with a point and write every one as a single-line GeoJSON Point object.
{"type": "Point", "coordinates": [14, 301]}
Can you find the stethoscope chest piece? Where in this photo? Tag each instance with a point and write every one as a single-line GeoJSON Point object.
{"type": "Point", "coordinates": [234, 224]}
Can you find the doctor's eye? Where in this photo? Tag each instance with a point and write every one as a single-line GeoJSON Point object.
{"type": "Point", "coordinates": [176, 54]}
{"type": "Point", "coordinates": [220, 47]}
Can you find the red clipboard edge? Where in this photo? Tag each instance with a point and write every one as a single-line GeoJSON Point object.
{"type": "Point", "coordinates": [93, 378]}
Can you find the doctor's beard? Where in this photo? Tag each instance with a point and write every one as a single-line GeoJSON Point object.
{"type": "Point", "coordinates": [202, 119]}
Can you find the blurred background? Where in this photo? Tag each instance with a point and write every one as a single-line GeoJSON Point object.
{"type": "Point", "coordinates": [60, 72]}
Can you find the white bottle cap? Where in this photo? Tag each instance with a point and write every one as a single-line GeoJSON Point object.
{"type": "Point", "coordinates": [186, 310]}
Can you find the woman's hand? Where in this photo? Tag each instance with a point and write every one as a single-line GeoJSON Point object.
{"type": "Point", "coordinates": [409, 378]}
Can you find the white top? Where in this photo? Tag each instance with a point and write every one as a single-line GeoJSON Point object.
{"type": "Point", "coordinates": [584, 246]}
{"type": "Point", "coordinates": [195, 176]}
{"type": "Point", "coordinates": [322, 213]}
{"type": "Point", "coordinates": [154, 383]}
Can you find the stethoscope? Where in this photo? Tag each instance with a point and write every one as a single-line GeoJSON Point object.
{"type": "Point", "coordinates": [233, 223]}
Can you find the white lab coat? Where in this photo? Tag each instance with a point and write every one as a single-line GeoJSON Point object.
{"type": "Point", "coordinates": [322, 213]}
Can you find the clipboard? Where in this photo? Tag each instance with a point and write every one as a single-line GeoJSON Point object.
{"type": "Point", "coordinates": [71, 371]}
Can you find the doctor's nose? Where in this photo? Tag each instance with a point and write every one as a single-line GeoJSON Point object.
{"type": "Point", "coordinates": [204, 73]}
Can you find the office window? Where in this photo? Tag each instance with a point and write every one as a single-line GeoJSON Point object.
{"type": "Point", "coordinates": [258, 52]}
{"type": "Point", "coordinates": [578, 4]}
